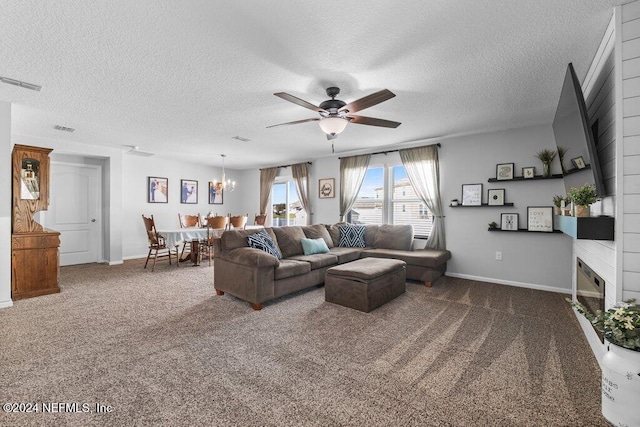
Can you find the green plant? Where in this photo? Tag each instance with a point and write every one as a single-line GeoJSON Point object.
{"type": "Point", "coordinates": [546, 156]}
{"type": "Point", "coordinates": [561, 153]}
{"type": "Point", "coordinates": [493, 225]}
{"type": "Point", "coordinates": [620, 324]}
{"type": "Point", "coordinates": [557, 200]}
{"type": "Point", "coordinates": [583, 196]}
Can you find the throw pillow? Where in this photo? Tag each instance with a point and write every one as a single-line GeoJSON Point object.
{"type": "Point", "coordinates": [351, 236]}
{"type": "Point", "coordinates": [314, 246]}
{"type": "Point", "coordinates": [261, 240]}
{"type": "Point", "coordinates": [394, 237]}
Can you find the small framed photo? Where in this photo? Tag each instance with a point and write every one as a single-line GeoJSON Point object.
{"type": "Point", "coordinates": [189, 191]}
{"type": "Point", "coordinates": [578, 162]}
{"type": "Point", "coordinates": [540, 218]}
{"type": "Point", "coordinates": [326, 188]}
{"type": "Point", "coordinates": [529, 172]}
{"type": "Point", "coordinates": [509, 221]}
{"type": "Point", "coordinates": [216, 193]}
{"type": "Point", "coordinates": [495, 197]}
{"type": "Point", "coordinates": [157, 189]}
{"type": "Point", "coordinates": [471, 194]}
{"type": "Point", "coordinates": [504, 171]}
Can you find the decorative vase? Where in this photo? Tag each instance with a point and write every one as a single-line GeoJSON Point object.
{"type": "Point", "coordinates": [546, 169]}
{"type": "Point", "coordinates": [621, 386]}
{"type": "Point", "coordinates": [582, 210]}
{"type": "Point", "coordinates": [557, 210]}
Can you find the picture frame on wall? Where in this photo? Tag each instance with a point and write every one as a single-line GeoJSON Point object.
{"type": "Point", "coordinates": [471, 194]}
{"type": "Point", "coordinates": [326, 188]}
{"type": "Point", "coordinates": [189, 191]}
{"type": "Point", "coordinates": [504, 171]}
{"type": "Point", "coordinates": [495, 197]}
{"type": "Point", "coordinates": [578, 162]}
{"type": "Point", "coordinates": [540, 218]}
{"type": "Point", "coordinates": [529, 172]}
{"type": "Point", "coordinates": [157, 189]}
{"type": "Point", "coordinates": [509, 221]}
{"type": "Point", "coordinates": [216, 193]}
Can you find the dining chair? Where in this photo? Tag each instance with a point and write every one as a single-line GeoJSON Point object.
{"type": "Point", "coordinates": [190, 220]}
{"type": "Point", "coordinates": [260, 219]}
{"type": "Point", "coordinates": [157, 243]}
{"type": "Point", "coordinates": [215, 224]}
{"type": "Point", "coordinates": [239, 221]}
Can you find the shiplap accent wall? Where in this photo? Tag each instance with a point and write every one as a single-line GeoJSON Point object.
{"type": "Point", "coordinates": [630, 168]}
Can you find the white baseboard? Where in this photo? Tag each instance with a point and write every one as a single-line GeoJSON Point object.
{"type": "Point", "coordinates": [510, 283]}
{"type": "Point", "coordinates": [115, 262]}
{"type": "Point", "coordinates": [126, 258]}
{"type": "Point", "coordinates": [6, 304]}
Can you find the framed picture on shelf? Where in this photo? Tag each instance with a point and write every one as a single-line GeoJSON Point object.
{"type": "Point", "coordinates": [540, 218]}
{"type": "Point", "coordinates": [327, 188]}
{"type": "Point", "coordinates": [189, 191]}
{"type": "Point", "coordinates": [578, 162]}
{"type": "Point", "coordinates": [157, 189]}
{"type": "Point", "coordinates": [509, 221]}
{"type": "Point", "coordinates": [216, 193]}
{"type": "Point", "coordinates": [471, 194]}
{"type": "Point", "coordinates": [529, 172]}
{"type": "Point", "coordinates": [504, 171]}
{"type": "Point", "coordinates": [495, 196]}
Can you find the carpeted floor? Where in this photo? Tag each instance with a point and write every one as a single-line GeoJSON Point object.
{"type": "Point", "coordinates": [162, 349]}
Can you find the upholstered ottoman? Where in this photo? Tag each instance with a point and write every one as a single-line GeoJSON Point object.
{"type": "Point", "coordinates": [365, 284]}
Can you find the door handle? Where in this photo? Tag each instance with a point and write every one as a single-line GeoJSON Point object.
{"type": "Point", "coordinates": [93, 220]}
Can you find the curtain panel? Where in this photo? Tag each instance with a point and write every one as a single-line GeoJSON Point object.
{"type": "Point", "coordinates": [423, 170]}
{"type": "Point", "coordinates": [301, 178]}
{"type": "Point", "coordinates": [352, 172]}
{"type": "Point", "coordinates": [267, 177]}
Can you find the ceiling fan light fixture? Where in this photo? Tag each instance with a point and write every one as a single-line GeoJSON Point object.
{"type": "Point", "coordinates": [333, 125]}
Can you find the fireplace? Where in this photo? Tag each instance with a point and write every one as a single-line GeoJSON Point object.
{"type": "Point", "coordinates": [589, 289]}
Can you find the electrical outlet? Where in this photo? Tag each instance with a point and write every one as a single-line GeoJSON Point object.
{"type": "Point", "coordinates": [499, 256]}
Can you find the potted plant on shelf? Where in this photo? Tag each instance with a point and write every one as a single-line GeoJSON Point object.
{"type": "Point", "coordinates": [621, 362]}
{"type": "Point", "coordinates": [561, 153]}
{"type": "Point", "coordinates": [582, 197]}
{"type": "Point", "coordinates": [557, 201]}
{"type": "Point", "coordinates": [493, 225]}
{"type": "Point", "coordinates": [546, 157]}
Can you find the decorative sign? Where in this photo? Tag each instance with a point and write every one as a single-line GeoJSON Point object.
{"type": "Point", "coordinates": [540, 218]}
{"type": "Point", "coordinates": [326, 188]}
{"type": "Point", "coordinates": [509, 221]}
{"type": "Point", "coordinates": [504, 171]}
{"type": "Point", "coordinates": [495, 197]}
{"type": "Point", "coordinates": [471, 194]}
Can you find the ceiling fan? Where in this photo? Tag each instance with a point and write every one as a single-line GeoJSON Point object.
{"type": "Point", "coordinates": [336, 114]}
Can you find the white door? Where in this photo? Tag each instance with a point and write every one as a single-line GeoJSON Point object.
{"type": "Point", "coordinates": [74, 211]}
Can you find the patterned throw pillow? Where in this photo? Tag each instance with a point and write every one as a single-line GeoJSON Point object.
{"type": "Point", "coordinates": [261, 240]}
{"type": "Point", "coordinates": [314, 246]}
{"type": "Point", "coordinates": [351, 236]}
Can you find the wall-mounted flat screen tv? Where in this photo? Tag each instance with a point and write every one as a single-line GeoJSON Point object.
{"type": "Point", "coordinates": [573, 132]}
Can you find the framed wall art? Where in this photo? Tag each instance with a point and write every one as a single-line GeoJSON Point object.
{"type": "Point", "coordinates": [216, 193]}
{"type": "Point", "coordinates": [529, 172]}
{"type": "Point", "coordinates": [578, 162]}
{"type": "Point", "coordinates": [471, 194]}
{"type": "Point", "coordinates": [157, 189]}
{"type": "Point", "coordinates": [540, 218]}
{"type": "Point", "coordinates": [509, 221]}
{"type": "Point", "coordinates": [504, 171]}
{"type": "Point", "coordinates": [189, 191]}
{"type": "Point", "coordinates": [495, 197]}
{"type": "Point", "coordinates": [327, 188]}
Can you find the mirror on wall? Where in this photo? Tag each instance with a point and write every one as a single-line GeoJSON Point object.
{"type": "Point", "coordinates": [30, 179]}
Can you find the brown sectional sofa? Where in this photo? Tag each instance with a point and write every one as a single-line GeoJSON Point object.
{"type": "Point", "coordinates": [256, 276]}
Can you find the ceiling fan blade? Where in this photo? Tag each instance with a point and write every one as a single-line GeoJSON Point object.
{"type": "Point", "coordinates": [371, 121]}
{"type": "Point", "coordinates": [368, 101]}
{"type": "Point", "coordinates": [295, 123]}
{"type": "Point", "coordinates": [298, 101]}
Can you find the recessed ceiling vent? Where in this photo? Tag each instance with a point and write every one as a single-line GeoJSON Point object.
{"type": "Point", "coordinates": [18, 83]}
{"type": "Point", "coordinates": [239, 138]}
{"type": "Point", "coordinates": [63, 128]}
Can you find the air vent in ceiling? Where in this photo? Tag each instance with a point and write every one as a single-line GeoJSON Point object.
{"type": "Point", "coordinates": [63, 128]}
{"type": "Point", "coordinates": [25, 85]}
{"type": "Point", "coordinates": [239, 138]}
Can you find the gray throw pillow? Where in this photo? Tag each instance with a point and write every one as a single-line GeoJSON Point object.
{"type": "Point", "coordinates": [394, 237]}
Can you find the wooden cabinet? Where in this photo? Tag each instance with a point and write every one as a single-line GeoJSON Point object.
{"type": "Point", "coordinates": [34, 250]}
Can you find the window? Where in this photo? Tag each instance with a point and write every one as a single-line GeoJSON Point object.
{"type": "Point", "coordinates": [387, 197]}
{"type": "Point", "coordinates": [285, 205]}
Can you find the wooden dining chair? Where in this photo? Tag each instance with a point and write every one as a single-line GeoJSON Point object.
{"type": "Point", "coordinates": [260, 219]}
{"type": "Point", "coordinates": [157, 243]}
{"type": "Point", "coordinates": [239, 221]}
{"type": "Point", "coordinates": [215, 224]}
{"type": "Point", "coordinates": [190, 221]}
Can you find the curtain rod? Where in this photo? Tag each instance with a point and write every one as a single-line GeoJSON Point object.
{"type": "Point", "coordinates": [286, 166]}
{"type": "Point", "coordinates": [385, 152]}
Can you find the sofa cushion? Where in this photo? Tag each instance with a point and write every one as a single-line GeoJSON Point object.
{"type": "Point", "coordinates": [366, 269]}
{"type": "Point", "coordinates": [314, 246]}
{"type": "Point", "coordinates": [232, 239]}
{"type": "Point", "coordinates": [261, 240]}
{"type": "Point", "coordinates": [351, 236]}
{"type": "Point", "coordinates": [318, 231]}
{"type": "Point", "coordinates": [423, 257]}
{"type": "Point", "coordinates": [289, 240]}
{"type": "Point", "coordinates": [394, 237]}
{"type": "Point", "coordinates": [346, 254]}
{"type": "Point", "coordinates": [370, 234]}
{"type": "Point", "coordinates": [290, 268]}
{"type": "Point", "coordinates": [317, 260]}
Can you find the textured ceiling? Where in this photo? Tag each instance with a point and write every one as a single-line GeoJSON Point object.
{"type": "Point", "coordinates": [180, 78]}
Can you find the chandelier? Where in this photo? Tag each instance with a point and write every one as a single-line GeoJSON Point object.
{"type": "Point", "coordinates": [227, 184]}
